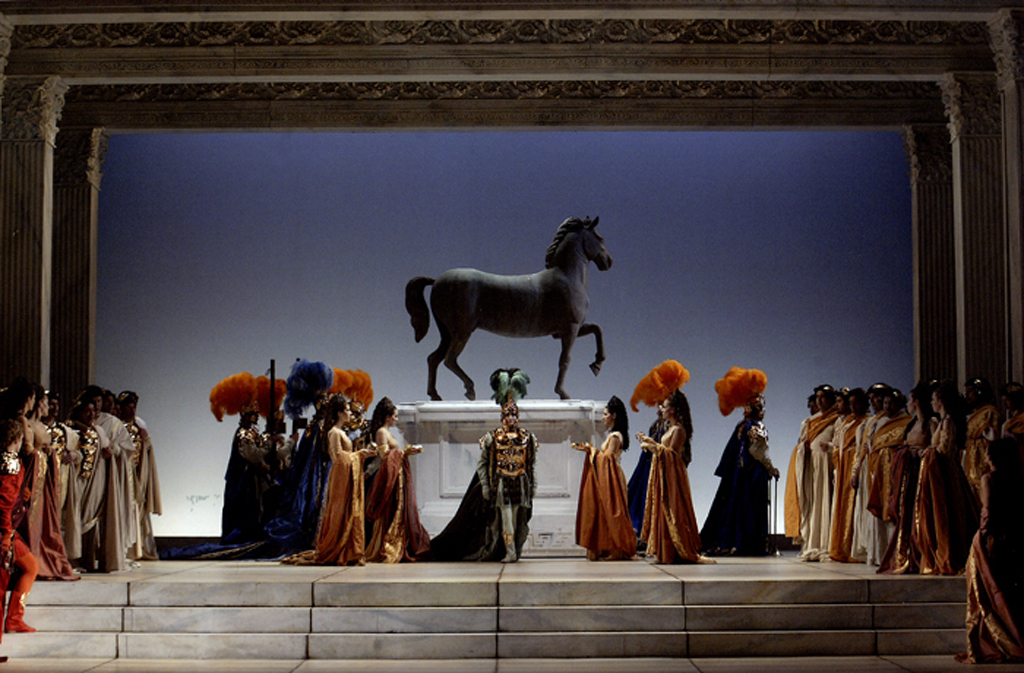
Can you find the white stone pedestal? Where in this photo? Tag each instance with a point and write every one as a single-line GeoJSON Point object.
{"type": "Point", "coordinates": [450, 433]}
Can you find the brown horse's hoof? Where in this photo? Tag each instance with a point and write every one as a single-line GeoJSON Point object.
{"type": "Point", "coordinates": [595, 367]}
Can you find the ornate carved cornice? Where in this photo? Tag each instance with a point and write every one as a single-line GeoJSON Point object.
{"type": "Point", "coordinates": [928, 151]}
{"type": "Point", "coordinates": [542, 90]}
{"type": "Point", "coordinates": [79, 157]}
{"type": "Point", "coordinates": [1007, 30]}
{"type": "Point", "coordinates": [528, 31]}
{"type": "Point", "coordinates": [31, 110]}
{"type": "Point", "coordinates": [973, 105]}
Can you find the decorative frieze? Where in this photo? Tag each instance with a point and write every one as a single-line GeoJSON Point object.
{"type": "Point", "coordinates": [506, 90]}
{"type": "Point", "coordinates": [511, 32]}
{"type": "Point", "coordinates": [973, 105]}
{"type": "Point", "coordinates": [31, 110]}
{"type": "Point", "coordinates": [1007, 37]}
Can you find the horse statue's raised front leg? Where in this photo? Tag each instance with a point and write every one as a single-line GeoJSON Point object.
{"type": "Point", "coordinates": [563, 361]}
{"type": "Point", "coordinates": [592, 328]}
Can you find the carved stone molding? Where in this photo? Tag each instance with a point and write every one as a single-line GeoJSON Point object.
{"type": "Point", "coordinates": [973, 105]}
{"type": "Point", "coordinates": [928, 151]}
{"type": "Point", "coordinates": [506, 90]}
{"type": "Point", "coordinates": [6, 30]}
{"type": "Point", "coordinates": [526, 31]}
{"type": "Point", "coordinates": [31, 110]}
{"type": "Point", "coordinates": [79, 157]}
{"type": "Point", "coordinates": [1007, 36]}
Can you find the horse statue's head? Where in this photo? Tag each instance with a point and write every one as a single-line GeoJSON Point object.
{"type": "Point", "coordinates": [590, 242]}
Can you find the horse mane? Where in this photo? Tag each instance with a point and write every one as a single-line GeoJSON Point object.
{"type": "Point", "coordinates": [570, 225]}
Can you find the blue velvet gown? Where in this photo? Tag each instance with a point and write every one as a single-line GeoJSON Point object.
{"type": "Point", "coordinates": [294, 527]}
{"type": "Point", "coordinates": [738, 520]}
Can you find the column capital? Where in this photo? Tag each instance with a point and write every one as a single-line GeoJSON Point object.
{"type": "Point", "coordinates": [32, 109]}
{"type": "Point", "coordinates": [973, 104]}
{"type": "Point", "coordinates": [1006, 34]}
{"type": "Point", "coordinates": [79, 157]}
{"type": "Point", "coordinates": [6, 31]}
{"type": "Point", "coordinates": [928, 152]}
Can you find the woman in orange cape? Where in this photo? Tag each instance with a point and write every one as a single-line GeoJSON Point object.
{"type": "Point", "coordinates": [603, 525]}
{"type": "Point", "coordinates": [670, 525]}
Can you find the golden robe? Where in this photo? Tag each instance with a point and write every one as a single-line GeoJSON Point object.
{"type": "Point", "coordinates": [844, 458]}
{"type": "Point", "coordinates": [945, 513]}
{"type": "Point", "coordinates": [603, 525]}
{"type": "Point", "coordinates": [813, 426]}
{"type": "Point", "coordinates": [341, 538]}
{"type": "Point", "coordinates": [670, 525]}
{"type": "Point", "coordinates": [975, 451]}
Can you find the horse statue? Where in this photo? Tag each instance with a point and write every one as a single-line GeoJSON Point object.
{"type": "Point", "coordinates": [550, 302]}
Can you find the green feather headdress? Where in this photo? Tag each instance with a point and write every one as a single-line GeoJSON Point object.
{"type": "Point", "coordinates": [508, 385]}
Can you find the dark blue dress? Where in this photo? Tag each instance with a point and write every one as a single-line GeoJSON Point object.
{"type": "Point", "coordinates": [737, 523]}
{"type": "Point", "coordinates": [294, 527]}
{"type": "Point", "coordinates": [636, 489]}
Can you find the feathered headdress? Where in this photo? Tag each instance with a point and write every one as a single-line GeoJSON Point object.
{"type": "Point", "coordinates": [263, 394]}
{"type": "Point", "coordinates": [738, 387]}
{"type": "Point", "coordinates": [354, 384]}
{"type": "Point", "coordinates": [509, 385]}
{"type": "Point", "coordinates": [306, 380]}
{"type": "Point", "coordinates": [659, 384]}
{"type": "Point", "coordinates": [232, 394]}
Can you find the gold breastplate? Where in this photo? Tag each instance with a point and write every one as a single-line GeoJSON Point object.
{"type": "Point", "coordinates": [88, 444]}
{"type": "Point", "coordinates": [58, 440]}
{"type": "Point", "coordinates": [9, 463]}
{"type": "Point", "coordinates": [509, 453]}
{"type": "Point", "coordinates": [136, 435]}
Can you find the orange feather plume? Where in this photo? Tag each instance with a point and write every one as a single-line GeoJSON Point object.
{"type": "Point", "coordinates": [263, 394]}
{"type": "Point", "coordinates": [354, 384]}
{"type": "Point", "coordinates": [230, 395]}
{"type": "Point", "coordinates": [737, 387]}
{"type": "Point", "coordinates": [659, 383]}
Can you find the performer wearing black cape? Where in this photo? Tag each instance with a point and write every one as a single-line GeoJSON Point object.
{"type": "Point", "coordinates": [492, 522]}
{"type": "Point", "coordinates": [737, 523]}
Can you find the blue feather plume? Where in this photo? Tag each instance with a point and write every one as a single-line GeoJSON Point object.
{"type": "Point", "coordinates": [306, 380]}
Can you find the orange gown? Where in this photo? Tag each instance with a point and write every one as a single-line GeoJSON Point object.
{"type": "Point", "coordinates": [341, 538]}
{"type": "Point", "coordinates": [603, 525]}
{"type": "Point", "coordinates": [670, 525]}
{"type": "Point", "coordinates": [945, 513]}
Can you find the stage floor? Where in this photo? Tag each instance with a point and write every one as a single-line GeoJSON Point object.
{"type": "Point", "coordinates": [900, 664]}
{"type": "Point", "coordinates": [534, 615]}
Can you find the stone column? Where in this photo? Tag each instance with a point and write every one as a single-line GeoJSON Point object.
{"type": "Point", "coordinates": [975, 129]}
{"type": "Point", "coordinates": [931, 182]}
{"type": "Point", "coordinates": [30, 113]}
{"type": "Point", "coordinates": [78, 159]}
{"type": "Point", "coordinates": [1007, 33]}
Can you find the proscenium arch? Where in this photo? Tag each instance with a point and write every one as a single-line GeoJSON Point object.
{"type": "Point", "coordinates": [672, 65]}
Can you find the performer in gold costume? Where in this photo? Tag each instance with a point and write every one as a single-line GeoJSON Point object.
{"type": "Point", "coordinates": [874, 477]}
{"type": "Point", "coordinates": [845, 454]}
{"type": "Point", "coordinates": [982, 425]}
{"type": "Point", "coordinates": [493, 519]}
{"type": "Point", "coordinates": [603, 525]}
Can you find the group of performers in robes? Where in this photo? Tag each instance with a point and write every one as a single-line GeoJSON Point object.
{"type": "Point", "coordinates": [342, 494]}
{"type": "Point", "coordinates": [612, 524]}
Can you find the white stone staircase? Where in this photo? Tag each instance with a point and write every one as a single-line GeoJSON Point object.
{"type": "Point", "coordinates": [537, 608]}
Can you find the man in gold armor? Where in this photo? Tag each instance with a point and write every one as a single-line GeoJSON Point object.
{"type": "Point", "coordinates": [506, 477]}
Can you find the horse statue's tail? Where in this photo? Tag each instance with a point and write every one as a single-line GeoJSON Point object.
{"type": "Point", "coordinates": [416, 305]}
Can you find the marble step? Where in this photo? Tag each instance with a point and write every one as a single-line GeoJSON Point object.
{"type": "Point", "coordinates": [484, 645]}
{"type": "Point", "coordinates": [895, 617]}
